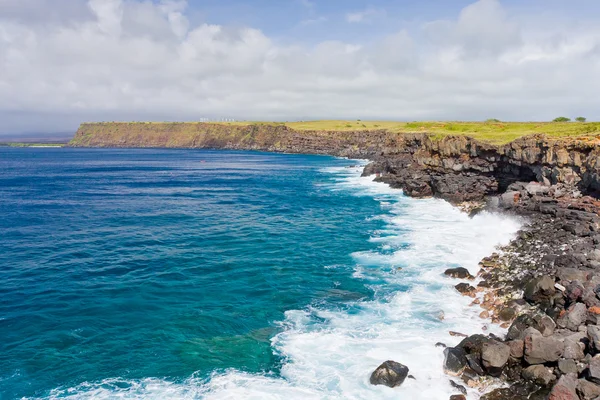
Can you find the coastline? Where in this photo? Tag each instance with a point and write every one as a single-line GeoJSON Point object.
{"type": "Point", "coordinates": [552, 182]}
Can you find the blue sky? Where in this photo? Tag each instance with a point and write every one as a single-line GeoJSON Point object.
{"type": "Point", "coordinates": [63, 62]}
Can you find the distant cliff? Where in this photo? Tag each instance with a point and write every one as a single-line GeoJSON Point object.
{"type": "Point", "coordinates": [458, 168]}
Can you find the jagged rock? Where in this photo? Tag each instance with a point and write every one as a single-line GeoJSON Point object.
{"type": "Point", "coordinates": [466, 290]}
{"type": "Point", "coordinates": [475, 364]}
{"type": "Point", "coordinates": [575, 316]}
{"type": "Point", "coordinates": [593, 332]}
{"type": "Point", "coordinates": [460, 273]}
{"type": "Point", "coordinates": [544, 324]}
{"type": "Point", "coordinates": [574, 291]}
{"type": "Point", "coordinates": [565, 389]}
{"type": "Point", "coordinates": [587, 390]}
{"type": "Point", "coordinates": [539, 374]}
{"type": "Point", "coordinates": [390, 373]}
{"type": "Point", "coordinates": [458, 387]}
{"type": "Point", "coordinates": [592, 373]}
{"type": "Point", "coordinates": [509, 199]}
{"type": "Point", "coordinates": [519, 325]}
{"type": "Point", "coordinates": [540, 288]}
{"type": "Point", "coordinates": [539, 349]}
{"type": "Point", "coordinates": [455, 360]}
{"type": "Point", "coordinates": [502, 394]}
{"type": "Point", "coordinates": [494, 356]}
{"type": "Point", "coordinates": [574, 349]}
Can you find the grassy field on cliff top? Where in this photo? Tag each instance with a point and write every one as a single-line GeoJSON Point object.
{"type": "Point", "coordinates": [492, 131]}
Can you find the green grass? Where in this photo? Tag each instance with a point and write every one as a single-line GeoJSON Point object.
{"type": "Point", "coordinates": [491, 131]}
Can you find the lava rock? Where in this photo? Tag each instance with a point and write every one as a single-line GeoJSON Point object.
{"type": "Point", "coordinates": [575, 316]}
{"type": "Point", "coordinates": [460, 273]}
{"type": "Point", "coordinates": [390, 373]}
{"type": "Point", "coordinates": [539, 374]}
{"type": "Point", "coordinates": [587, 390]}
{"type": "Point", "coordinates": [539, 289]}
{"type": "Point", "coordinates": [455, 360]}
{"type": "Point", "coordinates": [539, 349]}
{"type": "Point", "coordinates": [458, 387]}
{"type": "Point", "coordinates": [565, 389]}
{"type": "Point", "coordinates": [494, 356]}
{"type": "Point", "coordinates": [465, 289]}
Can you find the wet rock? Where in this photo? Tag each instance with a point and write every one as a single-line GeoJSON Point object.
{"type": "Point", "coordinates": [455, 360]}
{"type": "Point", "coordinates": [565, 389]}
{"type": "Point", "coordinates": [465, 289]}
{"type": "Point", "coordinates": [507, 314]}
{"type": "Point", "coordinates": [539, 374]}
{"type": "Point", "coordinates": [539, 349]}
{"type": "Point", "coordinates": [460, 273]}
{"type": "Point", "coordinates": [502, 394]}
{"type": "Point", "coordinates": [390, 373]}
{"type": "Point", "coordinates": [494, 356]}
{"type": "Point", "coordinates": [458, 397]}
{"type": "Point", "coordinates": [475, 364]}
{"type": "Point", "coordinates": [509, 199]}
{"type": "Point", "coordinates": [440, 344]}
{"type": "Point", "coordinates": [458, 387]}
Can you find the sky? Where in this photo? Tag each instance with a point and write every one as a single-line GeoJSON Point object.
{"type": "Point", "coordinates": [63, 62]}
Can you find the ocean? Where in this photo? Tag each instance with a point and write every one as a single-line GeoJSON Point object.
{"type": "Point", "coordinates": [193, 274]}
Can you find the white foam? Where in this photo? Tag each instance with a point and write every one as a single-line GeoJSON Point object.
{"type": "Point", "coordinates": [330, 354]}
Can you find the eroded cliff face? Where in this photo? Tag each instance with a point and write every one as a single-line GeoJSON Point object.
{"type": "Point", "coordinates": [456, 168]}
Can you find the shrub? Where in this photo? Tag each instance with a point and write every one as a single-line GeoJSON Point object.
{"type": "Point", "coordinates": [580, 119]}
{"type": "Point", "coordinates": [492, 120]}
{"type": "Point", "coordinates": [561, 119]}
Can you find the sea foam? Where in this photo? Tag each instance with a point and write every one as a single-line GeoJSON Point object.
{"type": "Point", "coordinates": [330, 353]}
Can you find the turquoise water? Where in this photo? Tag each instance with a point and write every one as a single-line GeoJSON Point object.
{"type": "Point", "coordinates": [213, 274]}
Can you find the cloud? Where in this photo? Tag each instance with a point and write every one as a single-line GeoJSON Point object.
{"type": "Point", "coordinates": [366, 15]}
{"type": "Point", "coordinates": [140, 60]}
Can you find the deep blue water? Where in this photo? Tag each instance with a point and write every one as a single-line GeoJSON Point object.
{"type": "Point", "coordinates": [165, 263]}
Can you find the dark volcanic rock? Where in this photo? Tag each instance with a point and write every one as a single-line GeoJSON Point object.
{"type": "Point", "coordinates": [494, 356]}
{"type": "Point", "coordinates": [460, 273]}
{"type": "Point", "coordinates": [455, 360]}
{"type": "Point", "coordinates": [465, 289]}
{"type": "Point", "coordinates": [390, 373]}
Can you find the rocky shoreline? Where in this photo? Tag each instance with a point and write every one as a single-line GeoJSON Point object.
{"type": "Point", "coordinates": [543, 288]}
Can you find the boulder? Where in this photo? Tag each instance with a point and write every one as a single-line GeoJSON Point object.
{"type": "Point", "coordinates": [587, 390]}
{"type": "Point", "coordinates": [455, 360]}
{"type": "Point", "coordinates": [575, 316]}
{"type": "Point", "coordinates": [592, 372]}
{"type": "Point", "coordinates": [567, 366]}
{"type": "Point", "coordinates": [574, 291]}
{"type": "Point", "coordinates": [519, 325]}
{"type": "Point", "coordinates": [544, 324]}
{"type": "Point", "coordinates": [458, 397]}
{"type": "Point", "coordinates": [390, 373]}
{"type": "Point", "coordinates": [574, 349]}
{"type": "Point", "coordinates": [566, 275]}
{"type": "Point", "coordinates": [494, 356]}
{"type": "Point", "coordinates": [593, 333]}
{"type": "Point", "coordinates": [509, 199]}
{"type": "Point", "coordinates": [458, 387]}
{"type": "Point", "coordinates": [539, 374]}
{"type": "Point", "coordinates": [460, 273]}
{"type": "Point", "coordinates": [465, 289]}
{"type": "Point", "coordinates": [502, 394]}
{"type": "Point", "coordinates": [516, 348]}
{"type": "Point", "coordinates": [565, 389]}
{"type": "Point", "coordinates": [539, 349]}
{"type": "Point", "coordinates": [507, 314]}
{"type": "Point", "coordinates": [538, 289]}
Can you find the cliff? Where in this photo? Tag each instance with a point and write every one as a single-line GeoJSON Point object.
{"type": "Point", "coordinates": [457, 168]}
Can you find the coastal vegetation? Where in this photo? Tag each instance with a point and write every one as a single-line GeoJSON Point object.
{"type": "Point", "coordinates": [492, 131]}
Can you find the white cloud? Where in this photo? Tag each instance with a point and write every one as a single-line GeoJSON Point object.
{"type": "Point", "coordinates": [366, 15]}
{"type": "Point", "coordinates": [137, 60]}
